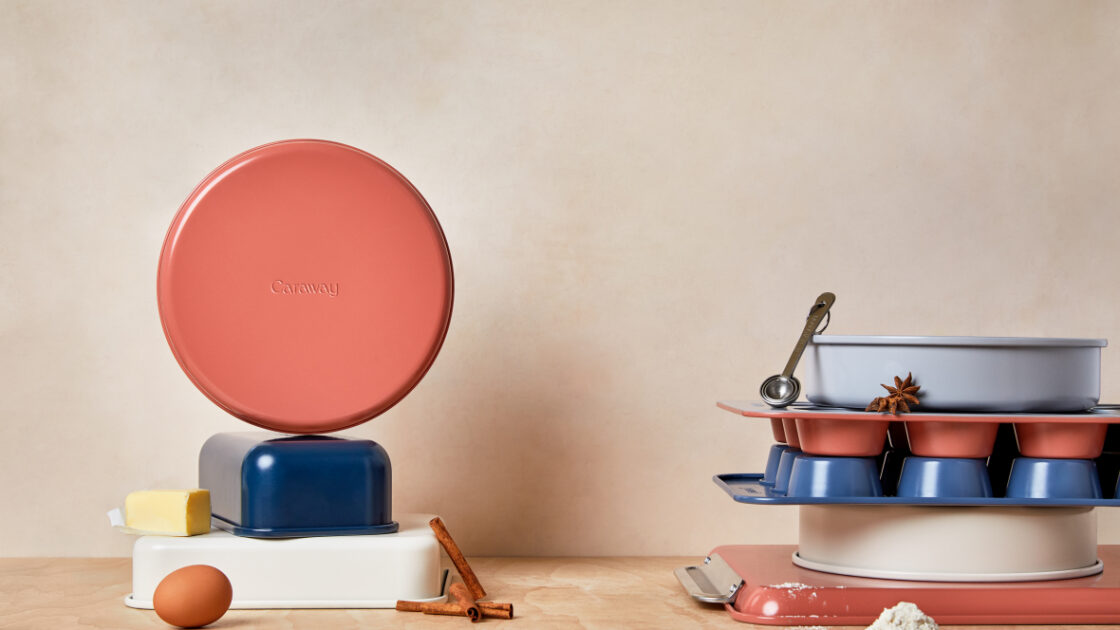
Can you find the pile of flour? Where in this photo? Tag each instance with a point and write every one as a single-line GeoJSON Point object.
{"type": "Point", "coordinates": [904, 616]}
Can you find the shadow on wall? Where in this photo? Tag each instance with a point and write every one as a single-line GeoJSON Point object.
{"type": "Point", "coordinates": [512, 468]}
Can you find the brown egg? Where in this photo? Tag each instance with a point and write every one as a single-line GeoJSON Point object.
{"type": "Point", "coordinates": [193, 596]}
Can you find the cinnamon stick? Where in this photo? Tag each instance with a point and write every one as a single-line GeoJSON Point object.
{"type": "Point", "coordinates": [463, 599]}
{"type": "Point", "coordinates": [496, 609]}
{"type": "Point", "coordinates": [457, 558]}
{"type": "Point", "coordinates": [432, 608]}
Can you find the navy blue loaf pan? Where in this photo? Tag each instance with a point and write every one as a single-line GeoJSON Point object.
{"type": "Point", "coordinates": [263, 485]}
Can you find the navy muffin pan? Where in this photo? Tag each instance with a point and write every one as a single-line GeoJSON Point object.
{"type": "Point", "coordinates": [264, 485]}
{"type": "Point", "coordinates": [748, 488]}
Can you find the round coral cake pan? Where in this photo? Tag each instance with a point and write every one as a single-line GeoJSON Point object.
{"type": "Point", "coordinates": [305, 286]}
{"type": "Point", "coordinates": [951, 439]}
{"type": "Point", "coordinates": [974, 374]}
{"type": "Point", "coordinates": [844, 438]}
{"type": "Point", "coordinates": [1045, 440]}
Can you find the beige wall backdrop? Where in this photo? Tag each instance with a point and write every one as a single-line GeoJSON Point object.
{"type": "Point", "coordinates": [641, 199]}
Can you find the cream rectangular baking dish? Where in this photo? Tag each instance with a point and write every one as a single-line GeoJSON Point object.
{"type": "Point", "coordinates": [371, 571]}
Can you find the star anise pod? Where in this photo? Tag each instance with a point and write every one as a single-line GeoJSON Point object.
{"type": "Point", "coordinates": [901, 396]}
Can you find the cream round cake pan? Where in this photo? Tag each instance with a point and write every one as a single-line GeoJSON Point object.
{"type": "Point", "coordinates": [949, 544]}
{"type": "Point", "coordinates": [980, 374]}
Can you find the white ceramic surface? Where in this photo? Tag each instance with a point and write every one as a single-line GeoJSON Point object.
{"type": "Point", "coordinates": [988, 374]}
{"type": "Point", "coordinates": [318, 572]}
{"type": "Point", "coordinates": [988, 544]}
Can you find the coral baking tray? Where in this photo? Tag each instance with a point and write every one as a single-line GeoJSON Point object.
{"type": "Point", "coordinates": [777, 592]}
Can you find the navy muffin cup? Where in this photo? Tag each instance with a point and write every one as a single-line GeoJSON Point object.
{"type": "Point", "coordinates": [834, 477]}
{"type": "Point", "coordinates": [772, 462]}
{"type": "Point", "coordinates": [1034, 478]}
{"type": "Point", "coordinates": [944, 477]}
{"type": "Point", "coordinates": [785, 467]}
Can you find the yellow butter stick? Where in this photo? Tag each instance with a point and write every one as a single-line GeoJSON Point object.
{"type": "Point", "coordinates": [172, 512]}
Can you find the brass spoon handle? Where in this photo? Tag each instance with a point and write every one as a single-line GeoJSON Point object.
{"type": "Point", "coordinates": [816, 314]}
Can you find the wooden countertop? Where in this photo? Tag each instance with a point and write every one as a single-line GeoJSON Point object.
{"type": "Point", "coordinates": [591, 593]}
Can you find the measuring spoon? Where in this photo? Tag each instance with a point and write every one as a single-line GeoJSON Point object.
{"type": "Point", "coordinates": [781, 389]}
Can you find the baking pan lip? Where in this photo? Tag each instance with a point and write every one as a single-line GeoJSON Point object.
{"type": "Point", "coordinates": [919, 340]}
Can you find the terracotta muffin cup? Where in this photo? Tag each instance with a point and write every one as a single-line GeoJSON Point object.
{"type": "Point", "coordinates": [1053, 440]}
{"type": "Point", "coordinates": [842, 438]}
{"type": "Point", "coordinates": [952, 439]}
{"type": "Point", "coordinates": [778, 430]}
{"type": "Point", "coordinates": [789, 427]}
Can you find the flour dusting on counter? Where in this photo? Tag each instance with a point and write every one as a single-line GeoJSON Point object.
{"type": "Point", "coordinates": [904, 616]}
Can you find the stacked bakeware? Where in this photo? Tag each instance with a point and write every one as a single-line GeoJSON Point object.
{"type": "Point", "coordinates": [305, 287]}
{"type": "Point", "coordinates": [1002, 421]}
{"type": "Point", "coordinates": [987, 487]}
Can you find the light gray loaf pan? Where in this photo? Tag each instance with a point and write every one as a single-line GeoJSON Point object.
{"type": "Point", "coordinates": [980, 374]}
